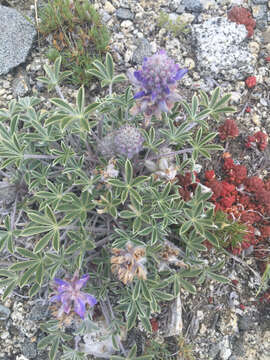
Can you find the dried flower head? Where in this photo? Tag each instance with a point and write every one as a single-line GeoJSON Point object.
{"type": "Point", "coordinates": [164, 167]}
{"type": "Point", "coordinates": [169, 256]}
{"type": "Point", "coordinates": [110, 171]}
{"type": "Point", "coordinates": [126, 141]}
{"type": "Point", "coordinates": [156, 84]}
{"type": "Point", "coordinates": [69, 291]}
{"type": "Point", "coordinates": [128, 263]}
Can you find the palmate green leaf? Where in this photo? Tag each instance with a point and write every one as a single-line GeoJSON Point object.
{"type": "Point", "coordinates": [64, 106]}
{"type": "Point", "coordinates": [212, 238]}
{"type": "Point", "coordinates": [80, 100]}
{"type": "Point", "coordinates": [187, 285]}
{"type": "Point", "coordinates": [46, 341]}
{"type": "Point", "coordinates": [162, 296]}
{"type": "Point", "coordinates": [116, 183]}
{"type": "Point", "coordinates": [9, 289]}
{"type": "Point", "coordinates": [27, 274]}
{"type": "Point", "coordinates": [26, 253]}
{"type": "Point", "coordinates": [109, 65]}
{"type": "Point", "coordinates": [139, 180]}
{"type": "Point", "coordinates": [135, 196]}
{"type": "Point", "coordinates": [34, 290]}
{"type": "Point", "coordinates": [21, 265]}
{"type": "Point", "coordinates": [217, 277]}
{"type": "Point", "coordinates": [137, 223]}
{"type": "Point", "coordinates": [44, 241]}
{"type": "Point", "coordinates": [119, 78]}
{"type": "Point", "coordinates": [128, 172]}
{"type": "Point", "coordinates": [146, 324]}
{"type": "Point", "coordinates": [194, 105]}
{"type": "Point", "coordinates": [137, 290]}
{"type": "Point", "coordinates": [54, 348]}
{"type": "Point", "coordinates": [187, 108]}
{"type": "Point", "coordinates": [214, 97]}
{"type": "Point", "coordinates": [145, 291]}
{"type": "Point", "coordinates": [131, 317]}
{"type": "Point", "coordinates": [222, 101]}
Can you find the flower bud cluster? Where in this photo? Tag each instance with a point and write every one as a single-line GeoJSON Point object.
{"type": "Point", "coordinates": [126, 141]}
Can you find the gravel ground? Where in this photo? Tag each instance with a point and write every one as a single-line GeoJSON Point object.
{"type": "Point", "coordinates": [221, 322]}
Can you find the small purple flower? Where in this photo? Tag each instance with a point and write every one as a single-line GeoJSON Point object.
{"type": "Point", "coordinates": [68, 292]}
{"type": "Point", "coordinates": [156, 84]}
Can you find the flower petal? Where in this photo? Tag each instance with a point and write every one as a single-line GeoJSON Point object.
{"type": "Point", "coordinates": [79, 307]}
{"type": "Point", "coordinates": [55, 298]}
{"type": "Point", "coordinates": [81, 282]}
{"type": "Point", "coordinates": [138, 75]}
{"type": "Point", "coordinates": [167, 90]}
{"type": "Point", "coordinates": [139, 94]}
{"type": "Point", "coordinates": [163, 106]}
{"type": "Point", "coordinates": [66, 307]}
{"type": "Point", "coordinates": [180, 73]}
{"type": "Point", "coordinates": [91, 300]}
{"type": "Point", "coordinates": [61, 282]}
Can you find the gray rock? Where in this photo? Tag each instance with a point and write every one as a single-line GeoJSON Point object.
{"type": "Point", "coordinates": [143, 50]}
{"type": "Point", "coordinates": [29, 350]}
{"type": "Point", "coordinates": [173, 4]}
{"type": "Point", "coordinates": [221, 49]}
{"type": "Point", "coordinates": [124, 14]}
{"type": "Point", "coordinates": [260, 14]}
{"type": "Point", "coordinates": [214, 350]}
{"type": "Point", "coordinates": [105, 16]}
{"type": "Point", "coordinates": [125, 4]}
{"type": "Point", "coordinates": [20, 86]}
{"type": "Point", "coordinates": [192, 5]}
{"type": "Point", "coordinates": [256, 2]}
{"type": "Point", "coordinates": [238, 348]}
{"type": "Point", "coordinates": [245, 323]}
{"type": "Point", "coordinates": [40, 86]}
{"type": "Point", "coordinates": [180, 9]}
{"type": "Point", "coordinates": [16, 38]}
{"type": "Point", "coordinates": [4, 312]}
{"type": "Point", "coordinates": [39, 312]}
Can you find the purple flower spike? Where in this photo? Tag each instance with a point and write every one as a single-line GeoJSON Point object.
{"type": "Point", "coordinates": [156, 84]}
{"type": "Point", "coordinates": [68, 292]}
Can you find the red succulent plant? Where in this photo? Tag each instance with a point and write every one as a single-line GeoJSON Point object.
{"type": "Point", "coordinates": [240, 15]}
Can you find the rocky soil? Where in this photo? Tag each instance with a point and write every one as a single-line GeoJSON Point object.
{"type": "Point", "coordinates": [222, 322]}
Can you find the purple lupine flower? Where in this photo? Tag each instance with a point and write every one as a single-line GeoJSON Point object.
{"type": "Point", "coordinates": [156, 84]}
{"type": "Point", "coordinates": [68, 292]}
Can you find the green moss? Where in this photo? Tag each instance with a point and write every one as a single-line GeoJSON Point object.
{"type": "Point", "coordinates": [175, 27]}
{"type": "Point", "coordinates": [78, 34]}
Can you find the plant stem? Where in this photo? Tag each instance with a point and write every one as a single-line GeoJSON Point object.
{"type": "Point", "coordinates": [36, 156]}
{"type": "Point", "coordinates": [59, 92]}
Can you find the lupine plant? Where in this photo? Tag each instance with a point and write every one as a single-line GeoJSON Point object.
{"type": "Point", "coordinates": [96, 194]}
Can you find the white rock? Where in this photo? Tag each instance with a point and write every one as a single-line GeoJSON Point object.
{"type": "Point", "coordinates": [109, 8]}
{"type": "Point", "coordinates": [256, 119]}
{"type": "Point", "coordinates": [254, 47]}
{"type": "Point", "coordinates": [189, 63]}
{"type": "Point", "coordinates": [126, 24]}
{"type": "Point", "coordinates": [186, 18]}
{"type": "Point", "coordinates": [221, 48]}
{"type": "Point", "coordinates": [235, 96]}
{"type": "Point", "coordinates": [153, 45]}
